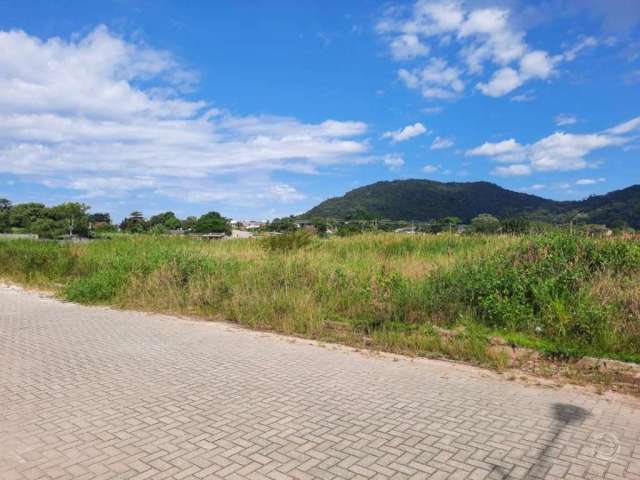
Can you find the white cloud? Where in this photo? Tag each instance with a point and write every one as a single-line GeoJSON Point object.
{"type": "Point", "coordinates": [505, 151]}
{"type": "Point", "coordinates": [405, 133]}
{"type": "Point", "coordinates": [532, 65]}
{"type": "Point", "coordinates": [536, 64]}
{"type": "Point", "coordinates": [493, 38]}
{"type": "Point", "coordinates": [512, 170]}
{"type": "Point", "coordinates": [523, 97]}
{"type": "Point", "coordinates": [590, 181]}
{"type": "Point", "coordinates": [246, 191]}
{"type": "Point", "coordinates": [584, 44]}
{"type": "Point", "coordinates": [408, 46]}
{"type": "Point", "coordinates": [441, 143]}
{"type": "Point", "coordinates": [490, 48]}
{"type": "Point", "coordinates": [431, 168]}
{"type": "Point", "coordinates": [436, 80]}
{"type": "Point", "coordinates": [105, 116]}
{"type": "Point", "coordinates": [559, 151]}
{"type": "Point", "coordinates": [626, 127]}
{"type": "Point", "coordinates": [393, 161]}
{"type": "Point", "coordinates": [285, 193]}
{"type": "Point", "coordinates": [503, 81]}
{"type": "Point", "coordinates": [565, 119]}
{"type": "Point", "coordinates": [565, 151]}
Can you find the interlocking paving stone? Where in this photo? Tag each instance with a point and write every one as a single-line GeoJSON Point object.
{"type": "Point", "coordinates": [93, 393]}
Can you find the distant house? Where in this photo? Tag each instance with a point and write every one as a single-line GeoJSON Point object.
{"type": "Point", "coordinates": [253, 224]}
{"type": "Point", "coordinates": [240, 234]}
{"type": "Point", "coordinates": [410, 230]}
{"type": "Point", "coordinates": [213, 236]}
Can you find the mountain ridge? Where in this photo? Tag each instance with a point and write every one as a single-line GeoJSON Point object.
{"type": "Point", "coordinates": [424, 200]}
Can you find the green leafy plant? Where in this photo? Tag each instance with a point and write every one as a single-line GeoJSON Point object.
{"type": "Point", "coordinates": [287, 242]}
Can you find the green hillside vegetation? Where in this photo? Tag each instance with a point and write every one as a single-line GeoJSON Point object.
{"type": "Point", "coordinates": [426, 200]}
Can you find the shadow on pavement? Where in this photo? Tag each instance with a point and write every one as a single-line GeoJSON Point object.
{"type": "Point", "coordinates": [564, 414]}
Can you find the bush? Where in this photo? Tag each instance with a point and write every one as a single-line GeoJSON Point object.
{"type": "Point", "coordinates": [287, 242]}
{"type": "Point", "coordinates": [543, 288]}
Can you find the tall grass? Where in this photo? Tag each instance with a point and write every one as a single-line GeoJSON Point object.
{"type": "Point", "coordinates": [565, 295]}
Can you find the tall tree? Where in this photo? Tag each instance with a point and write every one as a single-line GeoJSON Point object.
{"type": "Point", "coordinates": [134, 223]}
{"type": "Point", "coordinates": [189, 223]}
{"type": "Point", "coordinates": [70, 218]}
{"type": "Point", "coordinates": [100, 218]}
{"type": "Point", "coordinates": [166, 220]}
{"type": "Point", "coordinates": [485, 223]}
{"type": "Point", "coordinates": [5, 223]}
{"type": "Point", "coordinates": [212, 222]}
{"type": "Point", "coordinates": [23, 215]}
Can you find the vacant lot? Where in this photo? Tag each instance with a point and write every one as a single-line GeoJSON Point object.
{"type": "Point", "coordinates": [566, 296]}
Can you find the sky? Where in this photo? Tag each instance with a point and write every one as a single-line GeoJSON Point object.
{"type": "Point", "coordinates": [262, 109]}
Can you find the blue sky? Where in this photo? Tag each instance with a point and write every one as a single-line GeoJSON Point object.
{"type": "Point", "coordinates": [263, 109]}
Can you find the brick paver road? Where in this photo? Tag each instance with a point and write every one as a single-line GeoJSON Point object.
{"type": "Point", "coordinates": [91, 393]}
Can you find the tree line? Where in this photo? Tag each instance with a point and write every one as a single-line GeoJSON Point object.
{"type": "Point", "coordinates": [74, 219]}
{"type": "Point", "coordinates": [483, 223]}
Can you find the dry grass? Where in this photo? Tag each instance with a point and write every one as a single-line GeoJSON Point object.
{"type": "Point", "coordinates": [381, 291]}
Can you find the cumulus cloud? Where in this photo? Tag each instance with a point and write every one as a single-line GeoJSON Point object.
{"type": "Point", "coordinates": [408, 46]}
{"type": "Point", "coordinates": [431, 168]}
{"type": "Point", "coordinates": [532, 65]}
{"type": "Point", "coordinates": [393, 161]}
{"type": "Point", "coordinates": [502, 82]}
{"type": "Point", "coordinates": [405, 133]}
{"type": "Point", "coordinates": [105, 116]}
{"type": "Point", "coordinates": [559, 151]}
{"type": "Point", "coordinates": [440, 143]}
{"type": "Point", "coordinates": [488, 48]}
{"type": "Point", "coordinates": [435, 80]}
{"type": "Point", "coordinates": [505, 151]}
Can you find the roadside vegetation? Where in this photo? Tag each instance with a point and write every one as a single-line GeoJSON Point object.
{"type": "Point", "coordinates": [470, 297]}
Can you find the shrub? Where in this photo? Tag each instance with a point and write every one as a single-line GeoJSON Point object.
{"type": "Point", "coordinates": [543, 288]}
{"type": "Point", "coordinates": [287, 242]}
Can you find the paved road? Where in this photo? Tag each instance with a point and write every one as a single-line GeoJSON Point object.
{"type": "Point", "coordinates": [91, 393]}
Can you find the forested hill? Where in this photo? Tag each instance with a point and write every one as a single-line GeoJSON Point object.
{"type": "Point", "coordinates": [424, 200]}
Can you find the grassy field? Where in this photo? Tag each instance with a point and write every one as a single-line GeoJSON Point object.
{"type": "Point", "coordinates": [563, 295]}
